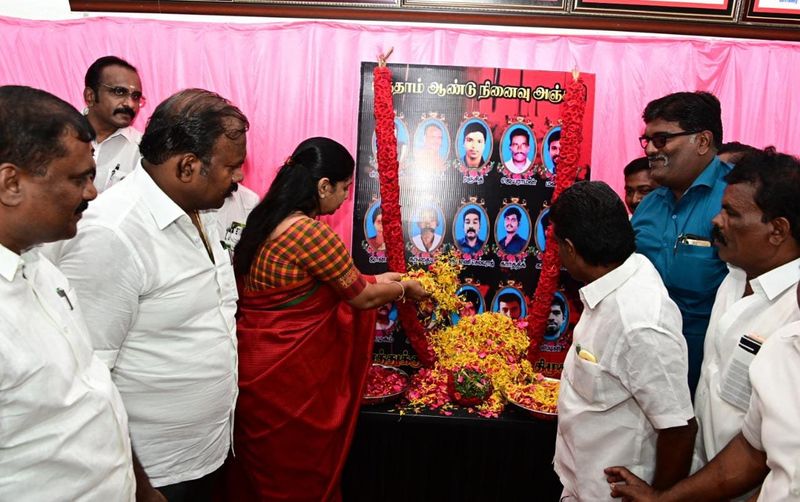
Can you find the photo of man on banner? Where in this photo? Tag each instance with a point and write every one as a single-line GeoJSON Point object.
{"type": "Point", "coordinates": [470, 228]}
{"type": "Point", "coordinates": [427, 228]}
{"type": "Point", "coordinates": [474, 146]}
{"type": "Point", "coordinates": [431, 146]}
{"type": "Point", "coordinates": [551, 149]}
{"type": "Point", "coordinates": [510, 301]}
{"type": "Point", "coordinates": [518, 148]}
{"type": "Point", "coordinates": [473, 303]}
{"type": "Point", "coordinates": [513, 229]}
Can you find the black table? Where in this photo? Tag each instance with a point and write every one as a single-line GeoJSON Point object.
{"type": "Point", "coordinates": [459, 458]}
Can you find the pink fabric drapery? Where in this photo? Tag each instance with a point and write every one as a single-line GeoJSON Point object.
{"type": "Point", "coordinates": [299, 79]}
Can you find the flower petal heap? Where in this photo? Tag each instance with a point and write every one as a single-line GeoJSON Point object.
{"type": "Point", "coordinates": [489, 343]}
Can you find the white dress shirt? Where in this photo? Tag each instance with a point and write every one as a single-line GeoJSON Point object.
{"type": "Point", "coordinates": [771, 306]}
{"type": "Point", "coordinates": [609, 412]}
{"type": "Point", "coordinates": [232, 216]}
{"type": "Point", "coordinates": [509, 163]}
{"type": "Point", "coordinates": [161, 316]}
{"type": "Point", "coordinates": [417, 241]}
{"type": "Point", "coordinates": [773, 418]}
{"type": "Point", "coordinates": [63, 428]}
{"type": "Point", "coordinates": [116, 157]}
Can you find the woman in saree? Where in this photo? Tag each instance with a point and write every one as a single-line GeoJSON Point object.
{"type": "Point", "coordinates": [305, 327]}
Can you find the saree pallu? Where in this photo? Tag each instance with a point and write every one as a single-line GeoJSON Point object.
{"type": "Point", "coordinates": [303, 360]}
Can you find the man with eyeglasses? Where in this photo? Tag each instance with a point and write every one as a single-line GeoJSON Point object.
{"type": "Point", "coordinates": [113, 96]}
{"type": "Point", "coordinates": [683, 132]}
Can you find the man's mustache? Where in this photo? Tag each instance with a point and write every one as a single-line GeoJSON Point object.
{"type": "Point", "coordinates": [127, 110]}
{"type": "Point", "coordinates": [471, 229]}
{"type": "Point", "coordinates": [84, 205]}
{"type": "Point", "coordinates": [655, 158]}
{"type": "Point", "coordinates": [716, 236]}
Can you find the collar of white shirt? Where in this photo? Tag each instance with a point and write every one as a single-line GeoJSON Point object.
{"type": "Point", "coordinates": [773, 283]}
{"type": "Point", "coordinates": [163, 209]}
{"type": "Point", "coordinates": [126, 132]}
{"type": "Point", "coordinates": [10, 262]}
{"type": "Point", "coordinates": [594, 292]}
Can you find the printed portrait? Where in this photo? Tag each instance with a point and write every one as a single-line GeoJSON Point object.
{"type": "Point", "coordinates": [386, 323]}
{"type": "Point", "coordinates": [403, 144]}
{"type": "Point", "coordinates": [473, 303]}
{"type": "Point", "coordinates": [551, 149]}
{"type": "Point", "coordinates": [513, 229]}
{"type": "Point", "coordinates": [426, 228]}
{"type": "Point", "coordinates": [474, 144]}
{"type": "Point", "coordinates": [540, 231]}
{"type": "Point", "coordinates": [558, 319]}
{"type": "Point", "coordinates": [518, 148]}
{"type": "Point", "coordinates": [373, 228]}
{"type": "Point", "coordinates": [431, 145]}
{"type": "Point", "coordinates": [471, 228]}
{"type": "Point", "coordinates": [510, 302]}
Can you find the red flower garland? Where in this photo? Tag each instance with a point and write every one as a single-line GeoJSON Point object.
{"type": "Point", "coordinates": [571, 139]}
{"type": "Point", "coordinates": [390, 205]}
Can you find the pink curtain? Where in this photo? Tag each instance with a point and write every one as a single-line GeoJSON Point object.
{"type": "Point", "coordinates": [301, 79]}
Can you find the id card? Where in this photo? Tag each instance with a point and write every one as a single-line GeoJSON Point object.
{"type": "Point", "coordinates": [736, 388]}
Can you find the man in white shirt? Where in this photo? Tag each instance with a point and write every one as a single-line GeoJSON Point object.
{"type": "Point", "coordinates": [113, 96]}
{"type": "Point", "coordinates": [428, 239]}
{"type": "Point", "coordinates": [63, 427]}
{"type": "Point", "coordinates": [519, 146]}
{"type": "Point", "coordinates": [232, 216]}
{"type": "Point", "coordinates": [757, 233]}
{"type": "Point", "coordinates": [624, 397]}
{"type": "Point", "coordinates": [768, 448]}
{"type": "Point", "coordinates": [159, 292]}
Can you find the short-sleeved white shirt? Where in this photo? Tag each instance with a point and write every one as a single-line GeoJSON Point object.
{"type": "Point", "coordinates": [771, 306]}
{"type": "Point", "coordinates": [161, 316]}
{"type": "Point", "coordinates": [772, 423]}
{"type": "Point", "coordinates": [63, 428]}
{"type": "Point", "coordinates": [116, 157]}
{"type": "Point", "coordinates": [232, 216]}
{"type": "Point", "coordinates": [609, 412]}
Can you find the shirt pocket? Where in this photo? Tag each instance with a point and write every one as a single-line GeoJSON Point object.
{"type": "Point", "coordinates": [695, 268]}
{"type": "Point", "coordinates": [595, 385]}
{"type": "Point", "coordinates": [585, 379]}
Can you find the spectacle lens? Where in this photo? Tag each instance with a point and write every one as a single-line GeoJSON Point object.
{"type": "Point", "coordinates": [122, 92]}
{"type": "Point", "coordinates": [659, 140]}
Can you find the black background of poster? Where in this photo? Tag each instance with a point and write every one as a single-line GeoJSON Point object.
{"type": "Point", "coordinates": [448, 189]}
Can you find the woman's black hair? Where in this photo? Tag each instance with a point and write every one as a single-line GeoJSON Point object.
{"type": "Point", "coordinates": [294, 189]}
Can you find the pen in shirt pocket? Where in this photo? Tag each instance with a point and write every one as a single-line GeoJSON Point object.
{"type": "Point", "coordinates": [63, 294]}
{"type": "Point", "coordinates": [113, 174]}
{"type": "Point", "coordinates": [692, 240]}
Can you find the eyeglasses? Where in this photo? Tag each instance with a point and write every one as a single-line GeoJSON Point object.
{"type": "Point", "coordinates": [122, 92]}
{"type": "Point", "coordinates": [659, 140]}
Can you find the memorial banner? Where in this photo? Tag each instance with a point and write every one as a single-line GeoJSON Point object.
{"type": "Point", "coordinates": [478, 149]}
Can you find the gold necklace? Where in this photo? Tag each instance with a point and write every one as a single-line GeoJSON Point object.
{"type": "Point", "coordinates": [195, 217]}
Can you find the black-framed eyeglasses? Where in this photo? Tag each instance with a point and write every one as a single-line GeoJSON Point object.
{"type": "Point", "coordinates": [659, 139]}
{"type": "Point", "coordinates": [123, 92]}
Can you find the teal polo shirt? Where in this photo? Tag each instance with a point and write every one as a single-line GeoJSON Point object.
{"type": "Point", "coordinates": [691, 273]}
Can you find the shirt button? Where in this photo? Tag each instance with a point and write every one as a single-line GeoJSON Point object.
{"type": "Point", "coordinates": [674, 216]}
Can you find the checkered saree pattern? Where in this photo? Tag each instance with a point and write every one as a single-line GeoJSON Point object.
{"type": "Point", "coordinates": [307, 248]}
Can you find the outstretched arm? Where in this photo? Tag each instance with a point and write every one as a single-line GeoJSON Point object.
{"type": "Point", "coordinates": [737, 469]}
